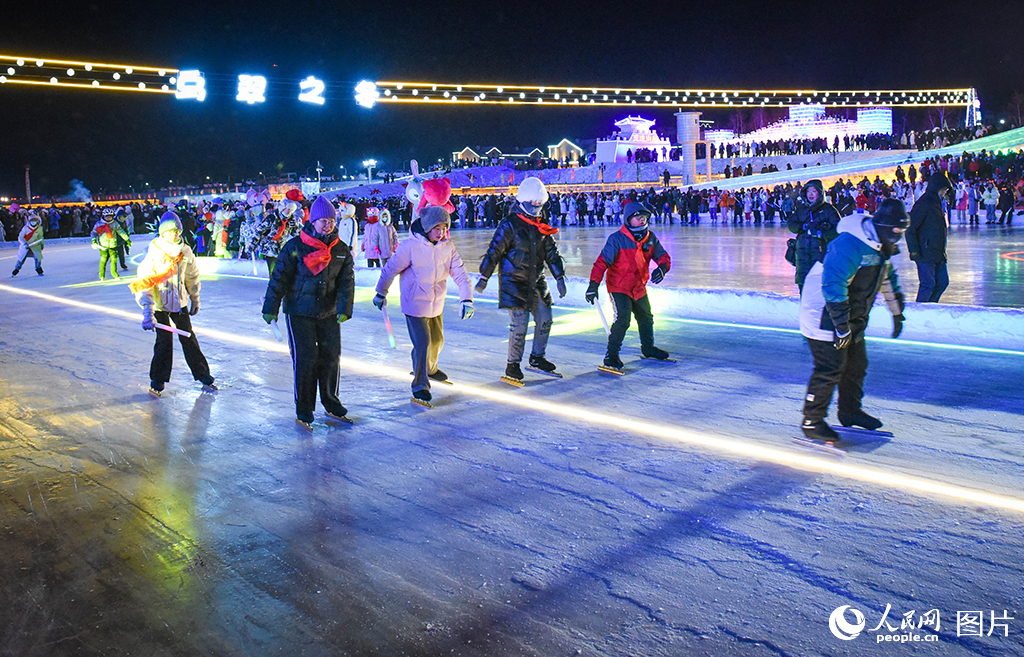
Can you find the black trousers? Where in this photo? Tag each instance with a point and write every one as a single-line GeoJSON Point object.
{"type": "Point", "coordinates": [315, 346]}
{"type": "Point", "coordinates": [833, 367]}
{"type": "Point", "coordinates": [624, 307]}
{"type": "Point", "coordinates": [163, 352]}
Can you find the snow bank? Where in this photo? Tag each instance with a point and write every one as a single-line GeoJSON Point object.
{"type": "Point", "coordinates": [993, 328]}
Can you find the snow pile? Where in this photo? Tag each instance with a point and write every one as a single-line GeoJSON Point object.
{"type": "Point", "coordinates": [976, 326]}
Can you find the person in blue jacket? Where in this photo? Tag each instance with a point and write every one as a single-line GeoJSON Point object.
{"type": "Point", "coordinates": [835, 302]}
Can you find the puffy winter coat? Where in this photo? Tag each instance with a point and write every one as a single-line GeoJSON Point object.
{"type": "Point", "coordinates": [268, 243]}
{"type": "Point", "coordinates": [174, 293]}
{"type": "Point", "coordinates": [105, 233]}
{"type": "Point", "coordinates": [815, 226]}
{"type": "Point", "coordinates": [926, 237]}
{"type": "Point", "coordinates": [424, 268]}
{"type": "Point", "coordinates": [519, 251]}
{"type": "Point", "coordinates": [628, 262]}
{"type": "Point", "coordinates": [304, 293]}
{"type": "Point", "coordinates": [370, 246]}
{"type": "Point", "coordinates": [855, 268]}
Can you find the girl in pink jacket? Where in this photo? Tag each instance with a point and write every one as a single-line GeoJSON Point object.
{"type": "Point", "coordinates": [424, 262]}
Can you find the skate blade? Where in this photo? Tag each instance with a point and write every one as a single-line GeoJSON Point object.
{"type": "Point", "coordinates": [660, 360]}
{"type": "Point", "coordinates": [308, 425]}
{"type": "Point", "coordinates": [821, 446]}
{"type": "Point", "coordinates": [611, 370]}
{"type": "Point", "coordinates": [447, 382]}
{"type": "Point", "coordinates": [867, 433]}
{"type": "Point", "coordinates": [513, 382]}
{"type": "Point", "coordinates": [155, 393]}
{"type": "Point", "coordinates": [424, 404]}
{"type": "Point", "coordinates": [338, 418]}
{"type": "Point", "coordinates": [555, 375]}
{"type": "Point", "coordinates": [210, 388]}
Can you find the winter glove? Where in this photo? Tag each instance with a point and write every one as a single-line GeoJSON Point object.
{"type": "Point", "coordinates": [467, 309]}
{"type": "Point", "coordinates": [840, 314]}
{"type": "Point", "coordinates": [267, 317]}
{"type": "Point", "coordinates": [193, 308]}
{"type": "Point", "coordinates": [591, 294]}
{"type": "Point", "coordinates": [96, 245]}
{"type": "Point", "coordinates": [147, 320]}
{"type": "Point", "coordinates": [897, 325]}
{"type": "Point", "coordinates": [380, 301]}
{"type": "Point", "coordinates": [342, 318]}
{"type": "Point", "coordinates": [657, 275]}
{"type": "Point", "coordinates": [481, 284]}
{"type": "Point", "coordinates": [842, 340]}
{"type": "Point", "coordinates": [560, 283]}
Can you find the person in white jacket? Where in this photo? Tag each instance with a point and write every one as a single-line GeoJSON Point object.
{"type": "Point", "coordinates": [167, 289]}
{"type": "Point", "coordinates": [30, 240]}
{"type": "Point", "coordinates": [424, 262]}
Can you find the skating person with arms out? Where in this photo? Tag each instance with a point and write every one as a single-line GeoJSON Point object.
{"type": "Point", "coordinates": [522, 244]}
{"type": "Point", "coordinates": [104, 237]}
{"type": "Point", "coordinates": [314, 278]}
{"type": "Point", "coordinates": [30, 240]}
{"type": "Point", "coordinates": [834, 305]}
{"type": "Point", "coordinates": [167, 288]}
{"type": "Point", "coordinates": [424, 262]}
{"type": "Point", "coordinates": [276, 228]}
{"type": "Point", "coordinates": [627, 257]}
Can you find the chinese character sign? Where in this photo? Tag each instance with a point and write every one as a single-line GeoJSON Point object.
{"type": "Point", "coordinates": [191, 86]}
{"type": "Point", "coordinates": [312, 91]}
{"type": "Point", "coordinates": [251, 89]}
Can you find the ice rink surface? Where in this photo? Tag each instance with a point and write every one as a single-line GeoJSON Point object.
{"type": "Point", "coordinates": [665, 512]}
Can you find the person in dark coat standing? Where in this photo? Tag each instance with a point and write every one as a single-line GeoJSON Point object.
{"type": "Point", "coordinates": [521, 245]}
{"type": "Point", "coordinates": [926, 238]}
{"type": "Point", "coordinates": [314, 277]}
{"type": "Point", "coordinates": [815, 223]}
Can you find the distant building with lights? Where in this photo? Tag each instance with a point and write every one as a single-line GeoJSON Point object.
{"type": "Point", "coordinates": [633, 133]}
{"type": "Point", "coordinates": [810, 122]}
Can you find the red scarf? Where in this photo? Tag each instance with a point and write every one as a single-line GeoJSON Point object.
{"type": "Point", "coordinates": [544, 229]}
{"type": "Point", "coordinates": [171, 262]}
{"type": "Point", "coordinates": [318, 260]}
{"type": "Point", "coordinates": [103, 228]}
{"type": "Point", "coordinates": [280, 231]}
{"type": "Point", "coordinates": [32, 233]}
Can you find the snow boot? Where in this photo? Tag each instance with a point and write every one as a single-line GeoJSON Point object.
{"type": "Point", "coordinates": [438, 376]}
{"type": "Point", "coordinates": [655, 353]}
{"type": "Point", "coordinates": [819, 431]}
{"type": "Point", "coordinates": [613, 361]}
{"type": "Point", "coordinates": [423, 395]}
{"type": "Point", "coordinates": [513, 371]}
{"type": "Point", "coordinates": [540, 363]}
{"type": "Point", "coordinates": [860, 419]}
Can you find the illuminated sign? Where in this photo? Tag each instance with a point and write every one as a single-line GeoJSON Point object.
{"type": "Point", "coordinates": [366, 93]}
{"type": "Point", "coordinates": [190, 86]}
{"type": "Point", "coordinates": [312, 91]}
{"type": "Point", "coordinates": [251, 89]}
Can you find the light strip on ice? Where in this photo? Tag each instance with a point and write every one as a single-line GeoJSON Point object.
{"type": "Point", "coordinates": [721, 444]}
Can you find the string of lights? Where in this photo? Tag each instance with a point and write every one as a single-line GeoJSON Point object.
{"type": "Point", "coordinates": [21, 70]}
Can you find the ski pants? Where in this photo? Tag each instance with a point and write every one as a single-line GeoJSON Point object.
{"type": "Point", "coordinates": [833, 367]}
{"type": "Point", "coordinates": [163, 351]}
{"type": "Point", "coordinates": [641, 309]}
{"type": "Point", "coordinates": [122, 251]}
{"type": "Point", "coordinates": [111, 256]}
{"type": "Point", "coordinates": [315, 346]}
{"type": "Point", "coordinates": [934, 279]}
{"type": "Point", "coordinates": [520, 320]}
{"type": "Point", "coordinates": [23, 251]}
{"type": "Point", "coordinates": [427, 335]}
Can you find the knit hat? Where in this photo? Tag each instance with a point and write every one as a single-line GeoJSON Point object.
{"type": "Point", "coordinates": [294, 195]}
{"type": "Point", "coordinates": [432, 216]}
{"type": "Point", "coordinates": [532, 195]}
{"type": "Point", "coordinates": [169, 221]}
{"type": "Point", "coordinates": [321, 208]}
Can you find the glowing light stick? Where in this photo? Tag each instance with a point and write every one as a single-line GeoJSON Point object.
{"type": "Point", "coordinates": [171, 329]}
{"type": "Point", "coordinates": [253, 256]}
{"type": "Point", "coordinates": [600, 311]}
{"type": "Point", "coordinates": [387, 325]}
{"type": "Point", "coordinates": [277, 331]}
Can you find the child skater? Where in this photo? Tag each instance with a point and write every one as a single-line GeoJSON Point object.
{"type": "Point", "coordinates": [104, 237]}
{"type": "Point", "coordinates": [30, 240]}
{"type": "Point", "coordinates": [627, 256]}
{"type": "Point", "coordinates": [424, 262]}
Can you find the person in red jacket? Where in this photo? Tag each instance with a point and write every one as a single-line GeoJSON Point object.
{"type": "Point", "coordinates": [627, 257]}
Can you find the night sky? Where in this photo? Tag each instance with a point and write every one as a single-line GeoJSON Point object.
{"type": "Point", "coordinates": [113, 140]}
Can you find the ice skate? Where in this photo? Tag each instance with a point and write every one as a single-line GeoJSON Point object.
{"type": "Point", "coordinates": [440, 377]}
{"type": "Point", "coordinates": [15, 272]}
{"type": "Point", "coordinates": [818, 435]}
{"type": "Point", "coordinates": [156, 388]}
{"type": "Point", "coordinates": [513, 375]}
{"type": "Point", "coordinates": [39, 270]}
{"type": "Point", "coordinates": [613, 365]}
{"type": "Point", "coordinates": [860, 419]}
{"type": "Point", "coordinates": [306, 421]}
{"type": "Point", "coordinates": [422, 397]}
{"type": "Point", "coordinates": [654, 353]}
{"type": "Point", "coordinates": [542, 365]}
{"type": "Point", "coordinates": [340, 413]}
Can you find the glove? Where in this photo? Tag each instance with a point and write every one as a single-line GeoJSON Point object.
{"type": "Point", "coordinates": [129, 244]}
{"type": "Point", "coordinates": [481, 284]}
{"type": "Point", "coordinates": [591, 294]}
{"type": "Point", "coordinates": [560, 283]}
{"type": "Point", "coordinates": [657, 275]}
{"type": "Point", "coordinates": [267, 317]}
{"type": "Point", "coordinates": [380, 301]}
{"type": "Point", "coordinates": [840, 313]}
{"type": "Point", "coordinates": [193, 307]}
{"type": "Point", "coordinates": [342, 318]}
{"type": "Point", "coordinates": [96, 245]}
{"type": "Point", "coordinates": [147, 322]}
{"type": "Point", "coordinates": [897, 325]}
{"type": "Point", "coordinates": [467, 309]}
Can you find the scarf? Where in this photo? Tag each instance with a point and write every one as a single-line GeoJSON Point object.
{"type": "Point", "coordinates": [317, 260]}
{"type": "Point", "coordinates": [32, 233]}
{"type": "Point", "coordinates": [168, 265]}
{"type": "Point", "coordinates": [280, 231]}
{"type": "Point", "coordinates": [544, 229]}
{"type": "Point", "coordinates": [103, 228]}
